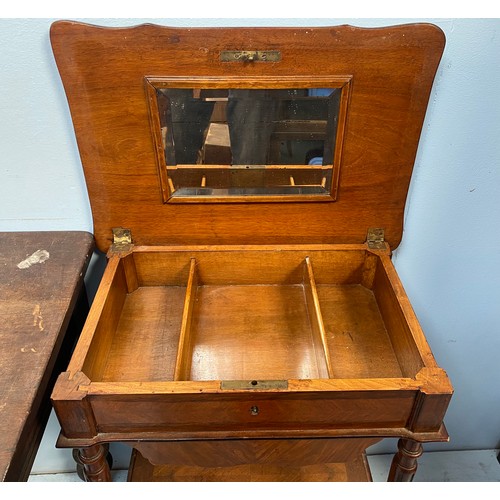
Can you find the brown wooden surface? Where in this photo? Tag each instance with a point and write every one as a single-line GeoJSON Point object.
{"type": "Point", "coordinates": [215, 291]}
{"type": "Point", "coordinates": [246, 318]}
{"type": "Point", "coordinates": [404, 464]}
{"type": "Point", "coordinates": [95, 467]}
{"type": "Point", "coordinates": [238, 320]}
{"type": "Point", "coordinates": [36, 304]}
{"type": "Point", "coordinates": [355, 470]}
{"type": "Point", "coordinates": [103, 72]}
{"type": "Point", "coordinates": [234, 452]}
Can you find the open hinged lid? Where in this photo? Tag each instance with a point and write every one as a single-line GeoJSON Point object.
{"type": "Point", "coordinates": [247, 135]}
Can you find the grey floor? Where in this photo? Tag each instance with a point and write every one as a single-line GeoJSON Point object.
{"type": "Point", "coordinates": [444, 466]}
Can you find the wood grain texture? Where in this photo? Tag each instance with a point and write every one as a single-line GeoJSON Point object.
{"type": "Point", "coordinates": [323, 357]}
{"type": "Point", "coordinates": [149, 328]}
{"type": "Point", "coordinates": [356, 333]}
{"type": "Point", "coordinates": [185, 349]}
{"type": "Point", "coordinates": [252, 460]}
{"type": "Point", "coordinates": [108, 306]}
{"type": "Point", "coordinates": [441, 435]}
{"type": "Point", "coordinates": [406, 335]}
{"type": "Point", "coordinates": [244, 314]}
{"type": "Point", "coordinates": [264, 333]}
{"type": "Point", "coordinates": [280, 452]}
{"type": "Point", "coordinates": [36, 304]}
{"type": "Point", "coordinates": [254, 317]}
{"type": "Point", "coordinates": [232, 411]}
{"type": "Point", "coordinates": [247, 265]}
{"type": "Point", "coordinates": [103, 72]}
{"type": "Point", "coordinates": [217, 291]}
{"type": "Point", "coordinates": [357, 470]}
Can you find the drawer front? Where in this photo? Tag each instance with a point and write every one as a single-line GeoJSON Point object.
{"type": "Point", "coordinates": [250, 412]}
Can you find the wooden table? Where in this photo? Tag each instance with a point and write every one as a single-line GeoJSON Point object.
{"type": "Point", "coordinates": [42, 307]}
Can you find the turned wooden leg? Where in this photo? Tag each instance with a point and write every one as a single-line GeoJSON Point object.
{"type": "Point", "coordinates": [92, 463]}
{"type": "Point", "coordinates": [404, 464]}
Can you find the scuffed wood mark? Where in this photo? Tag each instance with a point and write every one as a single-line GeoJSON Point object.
{"type": "Point", "coordinates": [28, 349]}
{"type": "Point", "coordinates": [37, 317]}
{"type": "Point", "coordinates": [36, 258]}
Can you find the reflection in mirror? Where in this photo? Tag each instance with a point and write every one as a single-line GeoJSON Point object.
{"type": "Point", "coordinates": [241, 142]}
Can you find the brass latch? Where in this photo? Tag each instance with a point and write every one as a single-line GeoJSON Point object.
{"type": "Point", "coordinates": [250, 56]}
{"type": "Point", "coordinates": [375, 238]}
{"type": "Point", "coordinates": [122, 239]}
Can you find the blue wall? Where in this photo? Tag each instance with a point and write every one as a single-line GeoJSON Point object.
{"type": "Point", "coordinates": [449, 259]}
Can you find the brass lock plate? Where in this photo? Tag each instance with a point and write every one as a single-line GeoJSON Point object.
{"type": "Point", "coordinates": [254, 384]}
{"type": "Point", "coordinates": [250, 56]}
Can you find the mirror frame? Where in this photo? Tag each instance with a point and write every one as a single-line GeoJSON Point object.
{"type": "Point", "coordinates": [152, 84]}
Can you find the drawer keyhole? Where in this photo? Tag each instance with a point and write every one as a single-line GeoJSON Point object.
{"type": "Point", "coordinates": [254, 410]}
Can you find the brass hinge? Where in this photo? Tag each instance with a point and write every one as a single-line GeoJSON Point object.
{"type": "Point", "coordinates": [122, 239]}
{"type": "Point", "coordinates": [375, 238]}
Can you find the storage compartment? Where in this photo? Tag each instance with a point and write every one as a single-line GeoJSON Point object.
{"type": "Point", "coordinates": [249, 315]}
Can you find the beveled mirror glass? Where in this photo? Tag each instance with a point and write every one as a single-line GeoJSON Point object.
{"type": "Point", "coordinates": [236, 143]}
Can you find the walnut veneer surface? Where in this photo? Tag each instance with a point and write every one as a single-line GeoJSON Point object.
{"type": "Point", "coordinates": [104, 69]}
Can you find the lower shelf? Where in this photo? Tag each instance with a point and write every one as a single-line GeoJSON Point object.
{"type": "Point", "coordinates": [356, 470]}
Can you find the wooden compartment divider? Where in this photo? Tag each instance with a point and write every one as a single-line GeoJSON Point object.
{"type": "Point", "coordinates": [205, 289]}
{"type": "Point", "coordinates": [316, 319]}
{"type": "Point", "coordinates": [185, 346]}
{"type": "Point", "coordinates": [182, 363]}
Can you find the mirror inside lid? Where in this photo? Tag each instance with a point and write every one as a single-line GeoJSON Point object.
{"type": "Point", "coordinates": [227, 143]}
{"type": "Point", "coordinates": [247, 135]}
{"type": "Point", "coordinates": [248, 142]}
